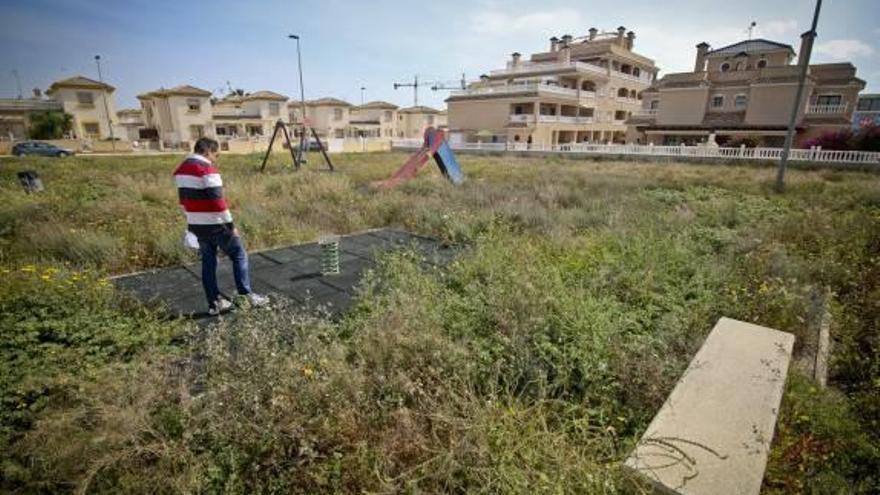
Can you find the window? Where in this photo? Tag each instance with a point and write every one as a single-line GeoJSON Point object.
{"type": "Point", "coordinates": [762, 63]}
{"type": "Point", "coordinates": [620, 115]}
{"type": "Point", "coordinates": [740, 101]}
{"type": "Point", "coordinates": [518, 110]}
{"type": "Point", "coordinates": [254, 130]}
{"type": "Point", "coordinates": [622, 92]}
{"type": "Point", "coordinates": [274, 109]}
{"type": "Point", "coordinates": [220, 130]}
{"type": "Point", "coordinates": [339, 133]}
{"type": "Point", "coordinates": [193, 105]}
{"type": "Point", "coordinates": [655, 104]}
{"type": "Point", "coordinates": [637, 72]}
{"type": "Point", "coordinates": [85, 99]}
{"type": "Point", "coordinates": [337, 114]}
{"type": "Point", "coordinates": [387, 116]}
{"type": "Point", "coordinates": [400, 118]}
{"type": "Point", "coordinates": [829, 100]}
{"type": "Point", "coordinates": [196, 131]}
{"type": "Point", "coordinates": [725, 67]}
{"type": "Point", "coordinates": [717, 101]}
{"type": "Point", "coordinates": [91, 129]}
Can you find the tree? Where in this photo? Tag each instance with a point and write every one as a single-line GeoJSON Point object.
{"type": "Point", "coordinates": [49, 125]}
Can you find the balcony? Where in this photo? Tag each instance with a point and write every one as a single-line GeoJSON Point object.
{"type": "Point", "coordinates": [555, 119]}
{"type": "Point", "coordinates": [643, 79]}
{"type": "Point", "coordinates": [826, 109]}
{"type": "Point", "coordinates": [535, 67]}
{"type": "Point", "coordinates": [510, 89]}
{"type": "Point", "coordinates": [645, 112]}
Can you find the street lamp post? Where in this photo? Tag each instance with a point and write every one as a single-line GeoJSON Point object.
{"type": "Point", "coordinates": [809, 36]}
{"type": "Point", "coordinates": [302, 97]}
{"type": "Point", "coordinates": [106, 107]}
{"type": "Point", "coordinates": [362, 94]}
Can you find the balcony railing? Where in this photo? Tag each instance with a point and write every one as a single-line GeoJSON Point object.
{"type": "Point", "coordinates": [562, 119]}
{"type": "Point", "coordinates": [523, 88]}
{"type": "Point", "coordinates": [826, 109]}
{"type": "Point", "coordinates": [644, 79]}
{"type": "Point", "coordinates": [527, 66]}
{"type": "Point", "coordinates": [645, 112]}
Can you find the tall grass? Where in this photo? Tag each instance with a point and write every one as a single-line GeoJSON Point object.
{"type": "Point", "coordinates": [532, 363]}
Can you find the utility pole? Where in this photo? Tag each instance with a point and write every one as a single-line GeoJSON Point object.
{"type": "Point", "coordinates": [808, 39]}
{"type": "Point", "coordinates": [106, 107]}
{"type": "Point", "coordinates": [302, 97]}
{"type": "Point", "coordinates": [17, 82]}
{"type": "Point", "coordinates": [414, 85]}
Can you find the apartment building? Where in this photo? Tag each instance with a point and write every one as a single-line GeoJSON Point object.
{"type": "Point", "coordinates": [412, 121]}
{"type": "Point", "coordinates": [330, 117]}
{"type": "Point", "coordinates": [178, 116]}
{"type": "Point", "coordinates": [867, 111]}
{"type": "Point", "coordinates": [580, 90]}
{"type": "Point", "coordinates": [91, 105]}
{"type": "Point", "coordinates": [375, 119]}
{"type": "Point", "coordinates": [251, 115]}
{"type": "Point", "coordinates": [746, 89]}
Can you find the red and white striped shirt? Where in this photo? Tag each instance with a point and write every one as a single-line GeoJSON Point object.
{"type": "Point", "coordinates": [200, 189]}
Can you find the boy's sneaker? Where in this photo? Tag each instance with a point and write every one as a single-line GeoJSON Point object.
{"type": "Point", "coordinates": [257, 300]}
{"type": "Point", "coordinates": [221, 306]}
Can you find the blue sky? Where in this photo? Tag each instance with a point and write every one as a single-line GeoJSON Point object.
{"type": "Point", "coordinates": [347, 44]}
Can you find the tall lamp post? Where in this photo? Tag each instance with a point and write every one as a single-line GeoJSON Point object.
{"type": "Point", "coordinates": [106, 108]}
{"type": "Point", "coordinates": [808, 39]}
{"type": "Point", "coordinates": [302, 97]}
{"type": "Point", "coordinates": [362, 94]}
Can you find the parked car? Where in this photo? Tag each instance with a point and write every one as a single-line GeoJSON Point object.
{"type": "Point", "coordinates": [39, 149]}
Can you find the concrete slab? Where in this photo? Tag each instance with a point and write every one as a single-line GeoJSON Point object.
{"type": "Point", "coordinates": [713, 434]}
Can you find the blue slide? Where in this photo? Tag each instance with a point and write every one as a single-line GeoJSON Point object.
{"type": "Point", "coordinates": [445, 158]}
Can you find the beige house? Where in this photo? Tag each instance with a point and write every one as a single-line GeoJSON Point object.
{"type": "Point", "coordinates": [412, 121]}
{"type": "Point", "coordinates": [580, 90]}
{"type": "Point", "coordinates": [178, 116]}
{"type": "Point", "coordinates": [90, 103]}
{"type": "Point", "coordinates": [131, 121]}
{"type": "Point", "coordinates": [745, 90]}
{"type": "Point", "coordinates": [330, 117]}
{"type": "Point", "coordinates": [253, 115]}
{"type": "Point", "coordinates": [376, 119]}
{"type": "Point", "coordinates": [15, 115]}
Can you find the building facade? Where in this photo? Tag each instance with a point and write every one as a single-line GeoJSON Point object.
{"type": "Point", "coordinates": [91, 105]}
{"type": "Point", "coordinates": [745, 90]}
{"type": "Point", "coordinates": [330, 117]}
{"type": "Point", "coordinates": [581, 90]}
{"type": "Point", "coordinates": [412, 121]}
{"type": "Point", "coordinates": [15, 115]}
{"type": "Point", "coordinates": [867, 112]}
{"type": "Point", "coordinates": [177, 117]}
{"type": "Point", "coordinates": [252, 115]}
{"type": "Point", "coordinates": [376, 119]}
{"type": "Point", "coordinates": [131, 121]}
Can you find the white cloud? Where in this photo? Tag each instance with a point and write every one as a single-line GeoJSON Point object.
{"type": "Point", "coordinates": [843, 49]}
{"type": "Point", "coordinates": [499, 23]}
{"type": "Point", "coordinates": [777, 28]}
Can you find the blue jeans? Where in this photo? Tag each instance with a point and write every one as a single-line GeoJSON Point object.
{"type": "Point", "coordinates": [231, 245]}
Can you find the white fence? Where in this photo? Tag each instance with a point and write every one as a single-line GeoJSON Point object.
{"type": "Point", "coordinates": [816, 155]}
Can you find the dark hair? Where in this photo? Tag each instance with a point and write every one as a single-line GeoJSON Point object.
{"type": "Point", "coordinates": [206, 145]}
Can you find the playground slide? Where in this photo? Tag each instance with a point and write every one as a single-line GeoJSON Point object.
{"type": "Point", "coordinates": [434, 145]}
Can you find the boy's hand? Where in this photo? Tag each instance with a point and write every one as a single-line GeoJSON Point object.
{"type": "Point", "coordinates": [235, 232]}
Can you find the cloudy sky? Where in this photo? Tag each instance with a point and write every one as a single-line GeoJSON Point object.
{"type": "Point", "coordinates": [347, 44]}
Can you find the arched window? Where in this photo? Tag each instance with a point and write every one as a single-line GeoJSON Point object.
{"type": "Point", "coordinates": [632, 94]}
{"type": "Point", "coordinates": [622, 92]}
{"type": "Point", "coordinates": [655, 104]}
{"type": "Point", "coordinates": [725, 67]}
{"type": "Point", "coordinates": [637, 72]}
{"type": "Point", "coordinates": [762, 63]}
{"type": "Point", "coordinates": [739, 66]}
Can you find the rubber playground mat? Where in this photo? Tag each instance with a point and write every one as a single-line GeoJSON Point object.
{"type": "Point", "coordinates": [291, 273]}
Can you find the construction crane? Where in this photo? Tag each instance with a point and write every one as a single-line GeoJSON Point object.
{"type": "Point", "coordinates": [414, 85]}
{"type": "Point", "coordinates": [441, 86]}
